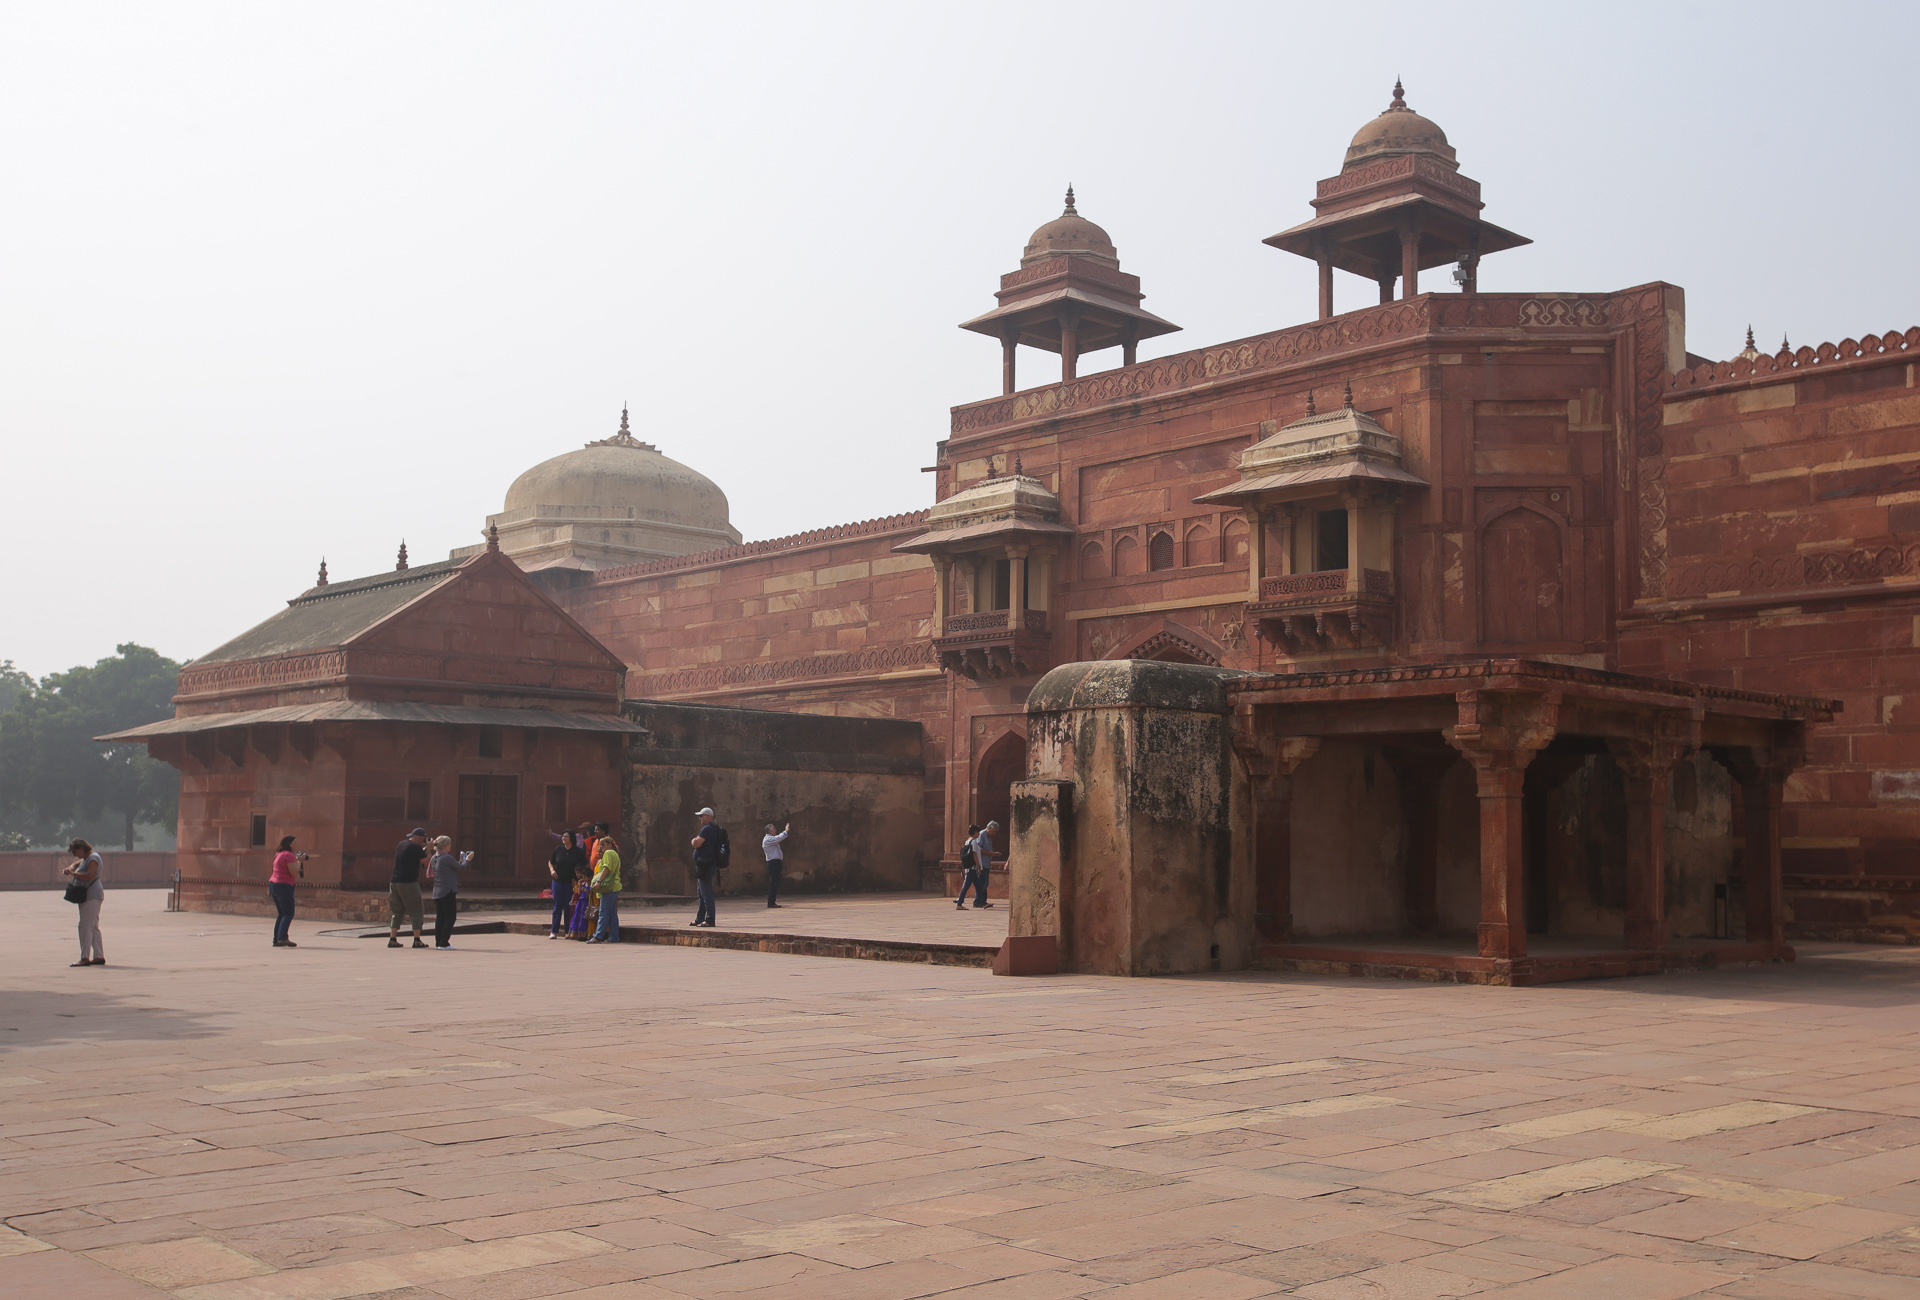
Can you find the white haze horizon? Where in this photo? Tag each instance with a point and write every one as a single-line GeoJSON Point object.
{"type": "Point", "coordinates": [284, 282]}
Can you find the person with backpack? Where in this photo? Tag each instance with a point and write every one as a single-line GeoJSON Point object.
{"type": "Point", "coordinates": [966, 867]}
{"type": "Point", "coordinates": [710, 855]}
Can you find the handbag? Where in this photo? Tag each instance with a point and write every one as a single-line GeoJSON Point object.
{"type": "Point", "coordinates": [76, 893]}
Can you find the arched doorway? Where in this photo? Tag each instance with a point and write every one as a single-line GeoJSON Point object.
{"type": "Point", "coordinates": [1004, 763]}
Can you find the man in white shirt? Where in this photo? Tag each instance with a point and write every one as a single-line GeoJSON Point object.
{"type": "Point", "coordinates": [776, 860]}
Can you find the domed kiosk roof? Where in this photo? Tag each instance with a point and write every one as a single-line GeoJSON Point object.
{"type": "Point", "coordinates": [623, 476]}
{"type": "Point", "coordinates": [1399, 130]}
{"type": "Point", "coordinates": [1069, 233]}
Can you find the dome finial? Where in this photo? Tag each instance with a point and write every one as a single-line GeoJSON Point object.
{"type": "Point", "coordinates": [1399, 95]}
{"type": "Point", "coordinates": [401, 565]}
{"type": "Point", "coordinates": [623, 421]}
{"type": "Point", "coordinates": [323, 572]}
{"type": "Point", "coordinates": [1310, 410]}
{"type": "Point", "coordinates": [493, 537]}
{"type": "Point", "coordinates": [1349, 394]}
{"type": "Point", "coordinates": [1071, 210]}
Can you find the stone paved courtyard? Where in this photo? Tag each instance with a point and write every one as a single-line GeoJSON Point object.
{"type": "Point", "coordinates": [212, 1119]}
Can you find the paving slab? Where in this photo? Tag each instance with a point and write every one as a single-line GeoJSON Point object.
{"type": "Point", "coordinates": [212, 1119]}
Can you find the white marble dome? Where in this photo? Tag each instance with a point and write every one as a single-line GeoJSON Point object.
{"type": "Point", "coordinates": [612, 502]}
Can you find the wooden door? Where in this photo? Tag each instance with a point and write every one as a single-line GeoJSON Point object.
{"type": "Point", "coordinates": [1522, 581]}
{"type": "Point", "coordinates": [488, 825]}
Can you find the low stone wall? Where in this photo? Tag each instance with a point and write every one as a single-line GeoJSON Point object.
{"type": "Point", "coordinates": [854, 790]}
{"type": "Point", "coordinates": [40, 869]}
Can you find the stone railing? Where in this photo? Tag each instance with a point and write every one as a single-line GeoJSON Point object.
{"type": "Point", "coordinates": [1375, 582]}
{"type": "Point", "coordinates": [993, 620]}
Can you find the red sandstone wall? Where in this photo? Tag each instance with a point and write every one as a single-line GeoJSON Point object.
{"type": "Point", "coordinates": [1794, 566]}
{"type": "Point", "coordinates": [832, 623]}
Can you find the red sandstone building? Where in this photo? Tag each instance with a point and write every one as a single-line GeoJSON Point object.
{"type": "Point", "coordinates": [1437, 476]}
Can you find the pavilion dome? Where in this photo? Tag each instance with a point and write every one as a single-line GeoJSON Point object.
{"type": "Point", "coordinates": [623, 477]}
{"type": "Point", "coordinates": [1399, 130]}
{"type": "Point", "coordinates": [1069, 233]}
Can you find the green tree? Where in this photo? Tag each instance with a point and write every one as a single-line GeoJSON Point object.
{"type": "Point", "coordinates": [52, 771]}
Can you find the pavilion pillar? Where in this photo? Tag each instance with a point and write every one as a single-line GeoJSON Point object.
{"type": "Point", "coordinates": [1762, 777]}
{"type": "Point", "coordinates": [1009, 345]}
{"type": "Point", "coordinates": [1130, 343]}
{"type": "Point", "coordinates": [1256, 549]}
{"type": "Point", "coordinates": [1323, 257]}
{"type": "Point", "coordinates": [1647, 766]}
{"type": "Point", "coordinates": [1386, 287]}
{"type": "Point", "coordinates": [942, 589]}
{"type": "Point", "coordinates": [1271, 766]}
{"type": "Point", "coordinates": [1069, 344]}
{"type": "Point", "coordinates": [1500, 736]}
{"type": "Point", "coordinates": [1016, 586]}
{"type": "Point", "coordinates": [1356, 534]}
{"type": "Point", "coordinates": [1409, 260]}
{"type": "Point", "coordinates": [1760, 862]}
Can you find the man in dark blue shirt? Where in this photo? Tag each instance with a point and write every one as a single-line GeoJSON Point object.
{"type": "Point", "coordinates": [403, 890]}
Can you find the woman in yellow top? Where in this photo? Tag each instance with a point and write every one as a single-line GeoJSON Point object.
{"type": "Point", "coordinates": [606, 879]}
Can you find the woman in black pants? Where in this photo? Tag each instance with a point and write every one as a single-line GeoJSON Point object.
{"type": "Point", "coordinates": [564, 866]}
{"type": "Point", "coordinates": [446, 890]}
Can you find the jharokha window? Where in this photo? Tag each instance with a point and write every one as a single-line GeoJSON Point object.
{"type": "Point", "coordinates": [1160, 552]}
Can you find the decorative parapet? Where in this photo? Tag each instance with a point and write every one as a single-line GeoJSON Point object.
{"type": "Point", "coordinates": [1743, 370]}
{"type": "Point", "coordinates": [1861, 565]}
{"type": "Point", "coordinates": [867, 662]}
{"type": "Point", "coordinates": [772, 546]}
{"type": "Point", "coordinates": [1352, 332]}
{"type": "Point", "coordinates": [994, 620]}
{"type": "Point", "coordinates": [249, 675]}
{"type": "Point", "coordinates": [1476, 673]}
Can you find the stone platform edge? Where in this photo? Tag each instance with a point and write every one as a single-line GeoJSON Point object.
{"type": "Point", "coordinates": [1523, 972]}
{"type": "Point", "coordinates": [795, 945]}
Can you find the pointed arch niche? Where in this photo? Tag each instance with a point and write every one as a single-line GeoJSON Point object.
{"type": "Point", "coordinates": [1000, 764]}
{"type": "Point", "coordinates": [1523, 578]}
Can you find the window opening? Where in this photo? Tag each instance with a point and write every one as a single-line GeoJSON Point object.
{"type": "Point", "coordinates": [1330, 540]}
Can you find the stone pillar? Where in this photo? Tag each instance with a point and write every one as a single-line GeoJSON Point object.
{"type": "Point", "coordinates": [1409, 260]}
{"type": "Point", "coordinates": [1040, 882]}
{"type": "Point", "coordinates": [1016, 586]}
{"type": "Point", "coordinates": [1646, 765]}
{"type": "Point", "coordinates": [1256, 549]}
{"type": "Point", "coordinates": [1009, 344]}
{"type": "Point", "coordinates": [1386, 287]}
{"type": "Point", "coordinates": [1499, 735]}
{"type": "Point", "coordinates": [1760, 861]}
{"type": "Point", "coordinates": [1356, 549]}
{"type": "Point", "coordinates": [1326, 283]}
{"type": "Point", "coordinates": [1069, 344]}
{"type": "Point", "coordinates": [1271, 764]}
{"type": "Point", "coordinates": [942, 590]}
{"type": "Point", "coordinates": [1154, 879]}
{"type": "Point", "coordinates": [1762, 776]}
{"type": "Point", "coordinates": [1129, 343]}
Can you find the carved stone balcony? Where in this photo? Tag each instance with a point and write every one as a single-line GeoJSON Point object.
{"type": "Point", "coordinates": [1316, 611]}
{"type": "Point", "coordinates": [996, 643]}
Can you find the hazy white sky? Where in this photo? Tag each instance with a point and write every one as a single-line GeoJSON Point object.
{"type": "Point", "coordinates": [279, 281]}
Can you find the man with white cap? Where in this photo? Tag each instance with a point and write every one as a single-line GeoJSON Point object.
{"type": "Point", "coordinates": [710, 854]}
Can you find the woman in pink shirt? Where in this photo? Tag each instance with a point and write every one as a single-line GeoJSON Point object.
{"type": "Point", "coordinates": [280, 886]}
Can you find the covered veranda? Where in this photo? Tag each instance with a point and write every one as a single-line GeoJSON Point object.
{"type": "Point", "coordinates": [1507, 821]}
